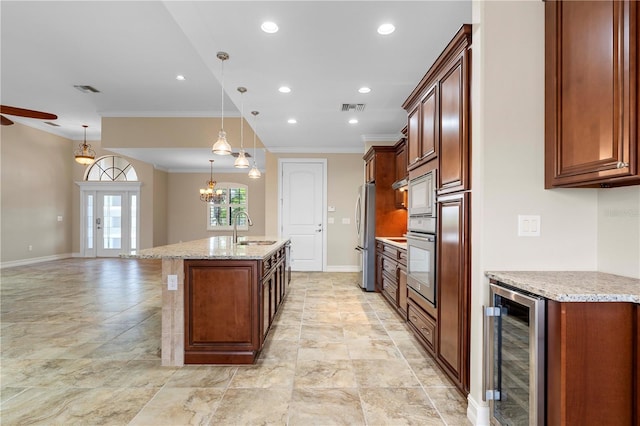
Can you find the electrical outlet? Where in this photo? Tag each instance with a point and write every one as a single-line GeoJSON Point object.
{"type": "Point", "coordinates": [172, 282]}
{"type": "Point", "coordinates": [30, 247]}
{"type": "Point", "coordinates": [346, 221]}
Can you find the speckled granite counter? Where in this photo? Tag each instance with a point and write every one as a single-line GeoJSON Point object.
{"type": "Point", "coordinates": [572, 286]}
{"type": "Point", "coordinates": [211, 248]}
{"type": "Point", "coordinates": [399, 242]}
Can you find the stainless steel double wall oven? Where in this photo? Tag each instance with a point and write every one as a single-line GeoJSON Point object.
{"type": "Point", "coordinates": [421, 236]}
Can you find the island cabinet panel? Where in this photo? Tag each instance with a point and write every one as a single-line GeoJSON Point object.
{"type": "Point", "coordinates": [221, 311]}
{"type": "Point", "coordinates": [590, 363]}
{"type": "Point", "coordinates": [591, 95]}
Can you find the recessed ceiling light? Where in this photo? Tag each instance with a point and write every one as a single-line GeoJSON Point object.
{"type": "Point", "coordinates": [292, 121]}
{"type": "Point", "coordinates": [284, 89]}
{"type": "Point", "coordinates": [386, 29]}
{"type": "Point", "coordinates": [364, 90]}
{"type": "Point", "coordinates": [353, 121]}
{"type": "Point", "coordinates": [269, 27]}
{"type": "Point", "coordinates": [180, 77]}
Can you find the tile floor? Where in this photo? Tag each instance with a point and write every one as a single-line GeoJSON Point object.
{"type": "Point", "coordinates": [80, 345]}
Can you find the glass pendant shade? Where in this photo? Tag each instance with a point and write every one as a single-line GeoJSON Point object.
{"type": "Point", "coordinates": [222, 147]}
{"type": "Point", "coordinates": [241, 162]}
{"type": "Point", "coordinates": [254, 173]}
{"type": "Point", "coordinates": [84, 154]}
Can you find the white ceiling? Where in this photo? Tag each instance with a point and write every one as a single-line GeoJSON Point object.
{"type": "Point", "coordinates": [132, 52]}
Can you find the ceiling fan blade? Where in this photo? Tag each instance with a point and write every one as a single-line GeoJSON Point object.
{"type": "Point", "coordinates": [4, 121]}
{"type": "Point", "coordinates": [21, 112]}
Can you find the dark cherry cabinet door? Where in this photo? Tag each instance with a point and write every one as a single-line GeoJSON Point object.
{"type": "Point", "coordinates": [453, 124]}
{"type": "Point", "coordinates": [452, 290]}
{"type": "Point", "coordinates": [591, 134]}
{"type": "Point", "coordinates": [429, 128]}
{"type": "Point", "coordinates": [414, 151]}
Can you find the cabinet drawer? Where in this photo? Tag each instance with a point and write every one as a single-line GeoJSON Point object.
{"type": "Point", "coordinates": [389, 266]}
{"type": "Point", "coordinates": [421, 323]}
{"type": "Point", "coordinates": [390, 251]}
{"type": "Point", "coordinates": [390, 287]}
{"type": "Point", "coordinates": [402, 257]}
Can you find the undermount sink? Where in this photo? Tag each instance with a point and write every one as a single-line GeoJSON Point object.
{"type": "Point", "coordinates": [256, 242]}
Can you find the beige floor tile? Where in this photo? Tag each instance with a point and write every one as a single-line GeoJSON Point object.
{"type": "Point", "coordinates": [86, 351]}
{"type": "Point", "coordinates": [180, 406]}
{"type": "Point", "coordinates": [398, 406]}
{"type": "Point", "coordinates": [381, 373]}
{"type": "Point", "coordinates": [324, 374]}
{"type": "Point", "coordinates": [253, 407]}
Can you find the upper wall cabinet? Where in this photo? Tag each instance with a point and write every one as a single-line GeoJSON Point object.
{"type": "Point", "coordinates": [591, 112]}
{"type": "Point", "coordinates": [438, 115]}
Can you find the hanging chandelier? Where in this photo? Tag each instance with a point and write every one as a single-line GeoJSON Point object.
{"type": "Point", "coordinates": [241, 162]}
{"type": "Point", "coordinates": [207, 194]}
{"type": "Point", "coordinates": [84, 154]}
{"type": "Point", "coordinates": [222, 147]}
{"type": "Point", "coordinates": [254, 173]}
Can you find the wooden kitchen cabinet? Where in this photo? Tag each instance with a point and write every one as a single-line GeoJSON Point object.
{"type": "Point", "coordinates": [221, 311]}
{"type": "Point", "coordinates": [401, 172]}
{"type": "Point", "coordinates": [439, 115]}
{"type": "Point", "coordinates": [391, 275]}
{"type": "Point", "coordinates": [229, 306]}
{"type": "Point", "coordinates": [591, 363]}
{"type": "Point", "coordinates": [453, 288]}
{"type": "Point", "coordinates": [591, 94]}
{"type": "Point", "coordinates": [390, 221]}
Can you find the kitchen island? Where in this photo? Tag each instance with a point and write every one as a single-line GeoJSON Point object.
{"type": "Point", "coordinates": [219, 297]}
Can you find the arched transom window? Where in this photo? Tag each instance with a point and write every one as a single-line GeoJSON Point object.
{"type": "Point", "coordinates": [111, 168]}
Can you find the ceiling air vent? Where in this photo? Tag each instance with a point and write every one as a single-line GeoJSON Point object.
{"type": "Point", "coordinates": [51, 124]}
{"type": "Point", "coordinates": [352, 107]}
{"type": "Point", "coordinates": [86, 89]}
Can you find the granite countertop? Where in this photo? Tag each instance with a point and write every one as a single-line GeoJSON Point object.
{"type": "Point", "coordinates": [572, 286]}
{"type": "Point", "coordinates": [211, 248]}
{"type": "Point", "coordinates": [400, 242]}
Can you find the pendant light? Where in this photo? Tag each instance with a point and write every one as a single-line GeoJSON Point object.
{"type": "Point", "coordinates": [222, 147]}
{"type": "Point", "coordinates": [241, 162]}
{"type": "Point", "coordinates": [206, 194]}
{"type": "Point", "coordinates": [84, 154]}
{"type": "Point", "coordinates": [254, 173]}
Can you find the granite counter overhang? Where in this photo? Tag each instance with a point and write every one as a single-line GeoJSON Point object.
{"type": "Point", "coordinates": [212, 248]}
{"type": "Point", "coordinates": [572, 286]}
{"type": "Point", "coordinates": [394, 241]}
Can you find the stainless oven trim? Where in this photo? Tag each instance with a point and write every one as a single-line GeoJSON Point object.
{"type": "Point", "coordinates": [422, 238]}
{"type": "Point", "coordinates": [537, 319]}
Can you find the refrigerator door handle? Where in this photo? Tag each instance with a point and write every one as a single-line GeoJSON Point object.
{"type": "Point", "coordinates": [357, 212]}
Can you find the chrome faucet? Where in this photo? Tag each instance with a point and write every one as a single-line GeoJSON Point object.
{"type": "Point", "coordinates": [235, 224]}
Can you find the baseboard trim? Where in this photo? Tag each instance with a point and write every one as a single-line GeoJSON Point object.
{"type": "Point", "coordinates": [33, 260]}
{"type": "Point", "coordinates": [478, 414]}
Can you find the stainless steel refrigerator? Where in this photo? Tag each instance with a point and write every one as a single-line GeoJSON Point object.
{"type": "Point", "coordinates": [366, 227]}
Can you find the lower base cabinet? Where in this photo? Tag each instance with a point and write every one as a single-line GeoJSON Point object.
{"type": "Point", "coordinates": [229, 307]}
{"type": "Point", "coordinates": [593, 363]}
{"type": "Point", "coordinates": [391, 275]}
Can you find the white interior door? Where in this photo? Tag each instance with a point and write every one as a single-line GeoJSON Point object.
{"type": "Point", "coordinates": [303, 196]}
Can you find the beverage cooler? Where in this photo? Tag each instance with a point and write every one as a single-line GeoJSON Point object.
{"type": "Point", "coordinates": [514, 357]}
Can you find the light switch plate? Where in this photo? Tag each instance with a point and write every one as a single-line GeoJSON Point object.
{"type": "Point", "coordinates": [172, 282]}
{"type": "Point", "coordinates": [331, 221]}
{"type": "Point", "coordinates": [346, 221]}
{"type": "Point", "coordinates": [528, 225]}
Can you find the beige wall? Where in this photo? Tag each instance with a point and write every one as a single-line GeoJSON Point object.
{"type": "Point", "coordinates": [187, 215]}
{"type": "Point", "coordinates": [345, 173]}
{"type": "Point", "coordinates": [160, 207]}
{"type": "Point", "coordinates": [508, 171]}
{"type": "Point", "coordinates": [36, 178]}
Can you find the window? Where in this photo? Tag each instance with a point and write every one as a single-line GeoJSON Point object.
{"type": "Point", "coordinates": [112, 169]}
{"type": "Point", "coordinates": [231, 199]}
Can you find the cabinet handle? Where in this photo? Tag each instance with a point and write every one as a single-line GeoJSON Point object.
{"type": "Point", "coordinates": [416, 159]}
{"type": "Point", "coordinates": [427, 332]}
{"type": "Point", "coordinates": [622, 165]}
